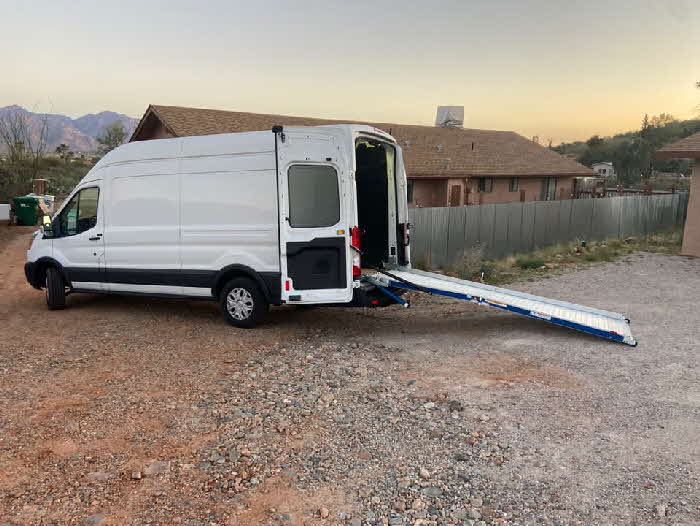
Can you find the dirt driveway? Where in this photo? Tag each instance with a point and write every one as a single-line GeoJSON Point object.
{"type": "Point", "coordinates": [125, 411]}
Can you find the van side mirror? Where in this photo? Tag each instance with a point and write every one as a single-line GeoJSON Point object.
{"type": "Point", "coordinates": [47, 226]}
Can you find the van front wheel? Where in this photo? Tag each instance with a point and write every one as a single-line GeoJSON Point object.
{"type": "Point", "coordinates": [55, 289]}
{"type": "Point", "coordinates": [242, 303]}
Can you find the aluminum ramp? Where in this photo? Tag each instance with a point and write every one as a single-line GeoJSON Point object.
{"type": "Point", "coordinates": [604, 324]}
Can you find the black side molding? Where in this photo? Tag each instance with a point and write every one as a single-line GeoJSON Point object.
{"type": "Point", "coordinates": [270, 282]}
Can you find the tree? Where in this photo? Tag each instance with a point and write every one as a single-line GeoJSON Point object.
{"type": "Point", "coordinates": [24, 141]}
{"type": "Point", "coordinates": [662, 119]}
{"type": "Point", "coordinates": [62, 151]}
{"type": "Point", "coordinates": [594, 142]}
{"type": "Point", "coordinates": [114, 135]}
{"type": "Point", "coordinates": [632, 152]}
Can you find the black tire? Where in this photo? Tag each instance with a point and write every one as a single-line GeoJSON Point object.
{"type": "Point", "coordinates": [55, 289]}
{"type": "Point", "coordinates": [246, 306]}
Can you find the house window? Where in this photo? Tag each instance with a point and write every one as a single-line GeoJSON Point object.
{"type": "Point", "coordinates": [409, 192]}
{"type": "Point", "coordinates": [486, 184]}
{"type": "Point", "coordinates": [514, 184]}
{"type": "Point", "coordinates": [549, 189]}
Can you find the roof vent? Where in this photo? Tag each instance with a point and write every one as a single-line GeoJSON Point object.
{"type": "Point", "coordinates": [450, 116]}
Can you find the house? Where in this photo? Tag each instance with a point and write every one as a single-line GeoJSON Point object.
{"type": "Point", "coordinates": [604, 169]}
{"type": "Point", "coordinates": [445, 165]}
{"type": "Point", "coordinates": [688, 148]}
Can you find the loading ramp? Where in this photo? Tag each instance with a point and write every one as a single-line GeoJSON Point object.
{"type": "Point", "coordinates": [601, 323]}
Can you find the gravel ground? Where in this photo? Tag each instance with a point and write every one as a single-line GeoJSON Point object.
{"type": "Point", "coordinates": [122, 411]}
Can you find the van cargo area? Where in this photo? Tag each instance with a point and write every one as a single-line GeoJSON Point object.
{"type": "Point", "coordinates": [376, 201]}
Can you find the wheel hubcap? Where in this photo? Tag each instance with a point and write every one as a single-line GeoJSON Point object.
{"type": "Point", "coordinates": [239, 304]}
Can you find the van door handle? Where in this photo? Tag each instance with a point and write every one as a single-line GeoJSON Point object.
{"type": "Point", "coordinates": [96, 238]}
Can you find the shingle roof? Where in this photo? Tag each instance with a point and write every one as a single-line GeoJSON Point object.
{"type": "Point", "coordinates": [685, 148]}
{"type": "Point", "coordinates": [429, 151]}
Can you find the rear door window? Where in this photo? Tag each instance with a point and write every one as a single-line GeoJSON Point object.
{"type": "Point", "coordinates": [314, 200]}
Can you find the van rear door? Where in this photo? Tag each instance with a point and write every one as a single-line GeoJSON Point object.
{"type": "Point", "coordinates": [314, 235]}
{"type": "Point", "coordinates": [403, 235]}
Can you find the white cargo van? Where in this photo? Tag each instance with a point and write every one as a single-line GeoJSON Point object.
{"type": "Point", "coordinates": [290, 215]}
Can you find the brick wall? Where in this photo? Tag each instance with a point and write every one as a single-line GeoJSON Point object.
{"type": "Point", "coordinates": [439, 192]}
{"type": "Point", "coordinates": [429, 192]}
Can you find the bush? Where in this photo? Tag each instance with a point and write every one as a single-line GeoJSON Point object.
{"type": "Point", "coordinates": [488, 270]}
{"type": "Point", "coordinates": [61, 177]}
{"type": "Point", "coordinates": [527, 262]}
{"type": "Point", "coordinates": [469, 263]}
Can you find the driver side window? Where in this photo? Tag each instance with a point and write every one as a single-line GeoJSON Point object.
{"type": "Point", "coordinates": [80, 214]}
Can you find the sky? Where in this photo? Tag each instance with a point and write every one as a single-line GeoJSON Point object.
{"type": "Point", "coordinates": [561, 69]}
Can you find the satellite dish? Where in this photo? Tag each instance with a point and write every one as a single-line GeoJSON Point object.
{"type": "Point", "coordinates": [450, 116]}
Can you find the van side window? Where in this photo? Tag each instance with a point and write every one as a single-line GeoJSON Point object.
{"type": "Point", "coordinates": [80, 214]}
{"type": "Point", "coordinates": [313, 196]}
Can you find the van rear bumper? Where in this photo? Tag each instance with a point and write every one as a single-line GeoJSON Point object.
{"type": "Point", "coordinates": [370, 296]}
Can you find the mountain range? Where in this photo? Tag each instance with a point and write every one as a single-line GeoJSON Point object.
{"type": "Point", "coordinates": [78, 134]}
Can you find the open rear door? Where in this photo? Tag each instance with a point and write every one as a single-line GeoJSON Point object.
{"type": "Point", "coordinates": [314, 235]}
{"type": "Point", "coordinates": [403, 234]}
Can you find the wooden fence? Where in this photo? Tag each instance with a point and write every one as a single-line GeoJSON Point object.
{"type": "Point", "coordinates": [441, 235]}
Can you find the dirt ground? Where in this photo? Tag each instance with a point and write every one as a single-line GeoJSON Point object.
{"type": "Point", "coordinates": [126, 411]}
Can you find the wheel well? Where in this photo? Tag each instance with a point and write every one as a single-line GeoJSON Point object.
{"type": "Point", "coordinates": [227, 274]}
{"type": "Point", "coordinates": [42, 266]}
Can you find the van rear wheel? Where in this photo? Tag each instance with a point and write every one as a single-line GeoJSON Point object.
{"type": "Point", "coordinates": [243, 303]}
{"type": "Point", "coordinates": [55, 289]}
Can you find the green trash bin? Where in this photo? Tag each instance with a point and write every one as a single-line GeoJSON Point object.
{"type": "Point", "coordinates": [26, 210]}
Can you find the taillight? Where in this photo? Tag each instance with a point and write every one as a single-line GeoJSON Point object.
{"type": "Point", "coordinates": [356, 243]}
{"type": "Point", "coordinates": [356, 238]}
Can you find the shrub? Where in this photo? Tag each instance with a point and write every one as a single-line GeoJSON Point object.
{"type": "Point", "coordinates": [488, 270]}
{"type": "Point", "coordinates": [528, 262]}
{"type": "Point", "coordinates": [469, 263]}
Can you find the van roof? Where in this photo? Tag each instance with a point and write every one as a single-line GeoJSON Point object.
{"type": "Point", "coordinates": [223, 143]}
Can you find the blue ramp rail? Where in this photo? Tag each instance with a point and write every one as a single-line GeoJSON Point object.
{"type": "Point", "coordinates": [603, 324]}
